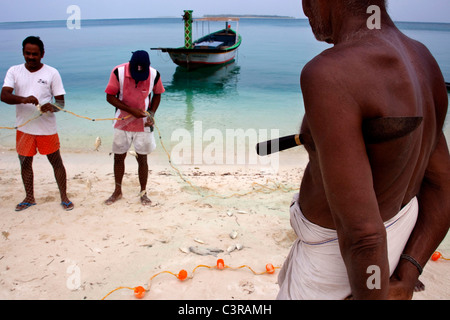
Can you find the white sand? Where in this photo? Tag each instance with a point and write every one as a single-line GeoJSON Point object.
{"type": "Point", "coordinates": [47, 253]}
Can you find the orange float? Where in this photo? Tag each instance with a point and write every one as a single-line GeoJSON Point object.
{"type": "Point", "coordinates": [436, 256]}
{"type": "Point", "coordinates": [220, 264]}
{"type": "Point", "coordinates": [139, 292]}
{"type": "Point", "coordinates": [270, 268]}
{"type": "Point", "coordinates": [182, 275]}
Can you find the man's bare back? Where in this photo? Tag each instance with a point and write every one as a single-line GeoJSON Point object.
{"type": "Point", "coordinates": [388, 75]}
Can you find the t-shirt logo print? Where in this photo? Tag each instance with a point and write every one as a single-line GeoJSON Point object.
{"type": "Point", "coordinates": [42, 81]}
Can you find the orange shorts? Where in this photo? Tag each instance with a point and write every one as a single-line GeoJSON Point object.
{"type": "Point", "coordinates": [27, 145]}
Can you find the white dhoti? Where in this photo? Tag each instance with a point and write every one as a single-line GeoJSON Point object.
{"type": "Point", "coordinates": [314, 268]}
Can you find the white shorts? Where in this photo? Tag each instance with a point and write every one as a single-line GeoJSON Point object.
{"type": "Point", "coordinates": [144, 142]}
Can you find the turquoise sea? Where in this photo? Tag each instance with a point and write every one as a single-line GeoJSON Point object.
{"type": "Point", "coordinates": [260, 90]}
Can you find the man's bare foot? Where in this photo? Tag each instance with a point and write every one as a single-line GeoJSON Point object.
{"type": "Point", "coordinates": [145, 200]}
{"type": "Point", "coordinates": [113, 199]}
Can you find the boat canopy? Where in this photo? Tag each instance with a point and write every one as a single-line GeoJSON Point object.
{"type": "Point", "coordinates": [217, 19]}
{"type": "Point", "coordinates": [222, 19]}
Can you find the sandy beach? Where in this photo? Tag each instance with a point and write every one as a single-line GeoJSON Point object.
{"type": "Point", "coordinates": [48, 253]}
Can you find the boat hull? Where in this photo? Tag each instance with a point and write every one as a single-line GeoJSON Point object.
{"type": "Point", "coordinates": [193, 59]}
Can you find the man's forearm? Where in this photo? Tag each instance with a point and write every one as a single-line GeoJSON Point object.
{"type": "Point", "coordinates": [59, 103]}
{"type": "Point", "coordinates": [367, 266]}
{"type": "Point", "coordinates": [434, 215]}
{"type": "Point", "coordinates": [10, 98]}
{"type": "Point", "coordinates": [431, 228]}
{"type": "Point", "coordinates": [156, 100]}
{"type": "Point", "coordinates": [115, 102]}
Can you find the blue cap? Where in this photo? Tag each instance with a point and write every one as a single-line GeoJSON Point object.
{"type": "Point", "coordinates": [140, 65]}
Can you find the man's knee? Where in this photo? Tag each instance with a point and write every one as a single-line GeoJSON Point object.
{"type": "Point", "coordinates": [119, 157]}
{"type": "Point", "coordinates": [55, 159]}
{"type": "Point", "coordinates": [142, 159]}
{"type": "Point", "coordinates": [25, 161]}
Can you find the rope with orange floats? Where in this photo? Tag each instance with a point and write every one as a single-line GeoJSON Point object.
{"type": "Point", "coordinates": [139, 291]}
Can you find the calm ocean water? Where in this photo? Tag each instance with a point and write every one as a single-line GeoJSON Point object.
{"type": "Point", "coordinates": [259, 91]}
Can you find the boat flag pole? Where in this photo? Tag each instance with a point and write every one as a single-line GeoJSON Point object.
{"type": "Point", "coordinates": [187, 17]}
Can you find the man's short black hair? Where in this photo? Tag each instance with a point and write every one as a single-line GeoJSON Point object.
{"type": "Point", "coordinates": [33, 40]}
{"type": "Point", "coordinates": [362, 5]}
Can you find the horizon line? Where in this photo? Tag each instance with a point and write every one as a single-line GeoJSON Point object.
{"type": "Point", "coordinates": [242, 16]}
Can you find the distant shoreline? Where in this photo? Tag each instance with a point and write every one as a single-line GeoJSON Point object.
{"type": "Point", "coordinates": [247, 16]}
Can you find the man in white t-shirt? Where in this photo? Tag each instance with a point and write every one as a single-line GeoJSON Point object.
{"type": "Point", "coordinates": [31, 87]}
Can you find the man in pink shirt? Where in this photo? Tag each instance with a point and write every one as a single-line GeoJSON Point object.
{"type": "Point", "coordinates": [130, 90]}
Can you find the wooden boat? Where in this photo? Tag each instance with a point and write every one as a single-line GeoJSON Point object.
{"type": "Point", "coordinates": [214, 49]}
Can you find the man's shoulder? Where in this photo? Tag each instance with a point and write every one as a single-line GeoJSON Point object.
{"type": "Point", "coordinates": [345, 62]}
{"type": "Point", "coordinates": [52, 71]}
{"type": "Point", "coordinates": [49, 68]}
{"type": "Point", "coordinates": [16, 67]}
{"type": "Point", "coordinates": [324, 67]}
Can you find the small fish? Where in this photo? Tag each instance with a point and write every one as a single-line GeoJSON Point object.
{"type": "Point", "coordinates": [98, 143]}
{"type": "Point", "coordinates": [89, 184]}
{"type": "Point", "coordinates": [242, 212]}
{"type": "Point", "coordinates": [205, 251]}
{"type": "Point", "coordinates": [133, 153]}
{"type": "Point", "coordinates": [142, 193]}
{"type": "Point", "coordinates": [199, 241]}
{"type": "Point", "coordinates": [5, 234]}
{"type": "Point", "coordinates": [184, 250]}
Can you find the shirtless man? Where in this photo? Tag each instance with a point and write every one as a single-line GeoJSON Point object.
{"type": "Point", "coordinates": [358, 180]}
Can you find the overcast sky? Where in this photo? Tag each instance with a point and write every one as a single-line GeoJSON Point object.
{"type": "Point", "coordinates": [37, 10]}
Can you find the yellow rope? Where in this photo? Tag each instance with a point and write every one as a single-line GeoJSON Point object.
{"type": "Point", "coordinates": [23, 124]}
{"type": "Point", "coordinates": [66, 111]}
{"type": "Point", "coordinates": [261, 187]}
{"type": "Point", "coordinates": [119, 288]}
{"type": "Point", "coordinates": [257, 187]}
{"type": "Point", "coordinates": [90, 119]}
